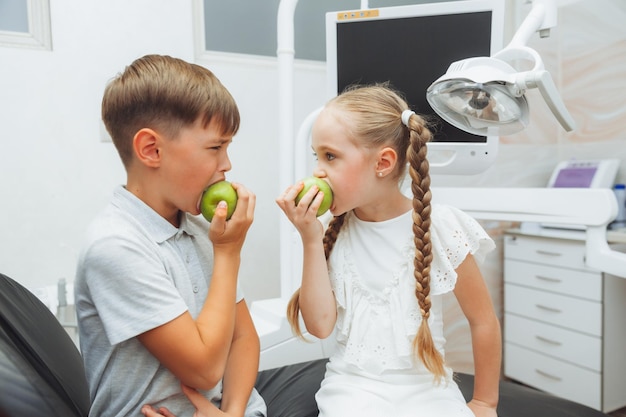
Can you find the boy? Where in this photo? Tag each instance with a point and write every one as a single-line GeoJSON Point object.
{"type": "Point", "coordinates": [157, 297]}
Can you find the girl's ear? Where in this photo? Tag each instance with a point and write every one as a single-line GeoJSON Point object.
{"type": "Point", "coordinates": [386, 161]}
{"type": "Point", "coordinates": [146, 147]}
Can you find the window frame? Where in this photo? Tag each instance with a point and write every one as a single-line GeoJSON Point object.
{"type": "Point", "coordinates": [39, 32]}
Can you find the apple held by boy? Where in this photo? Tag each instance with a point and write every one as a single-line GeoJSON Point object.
{"type": "Point", "coordinates": [323, 187]}
{"type": "Point", "coordinates": [220, 191]}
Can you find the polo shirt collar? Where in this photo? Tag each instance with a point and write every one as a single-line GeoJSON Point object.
{"type": "Point", "coordinates": [156, 225]}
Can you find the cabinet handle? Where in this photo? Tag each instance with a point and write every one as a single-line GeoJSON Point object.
{"type": "Point", "coordinates": [545, 252]}
{"type": "Point", "coordinates": [552, 309]}
{"type": "Point", "coordinates": [545, 339]}
{"type": "Point", "coordinates": [547, 375]}
{"type": "Point", "coordinates": [541, 277]}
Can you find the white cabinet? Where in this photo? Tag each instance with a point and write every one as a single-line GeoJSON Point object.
{"type": "Point", "coordinates": [564, 323]}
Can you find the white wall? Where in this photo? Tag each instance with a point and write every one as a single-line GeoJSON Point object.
{"type": "Point", "coordinates": [56, 172]}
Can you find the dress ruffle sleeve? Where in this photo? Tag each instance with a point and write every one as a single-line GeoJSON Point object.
{"type": "Point", "coordinates": [454, 235]}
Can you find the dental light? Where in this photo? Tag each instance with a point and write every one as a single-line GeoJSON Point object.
{"type": "Point", "coordinates": [486, 95]}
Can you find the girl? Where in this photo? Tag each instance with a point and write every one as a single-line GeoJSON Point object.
{"type": "Point", "coordinates": [377, 274]}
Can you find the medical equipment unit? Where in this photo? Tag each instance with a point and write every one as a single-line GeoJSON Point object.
{"type": "Point", "coordinates": [411, 46]}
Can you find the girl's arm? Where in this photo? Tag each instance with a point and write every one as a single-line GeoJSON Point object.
{"type": "Point", "coordinates": [317, 301]}
{"type": "Point", "coordinates": [475, 301]}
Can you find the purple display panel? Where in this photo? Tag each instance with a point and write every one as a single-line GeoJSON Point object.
{"type": "Point", "coordinates": [577, 177]}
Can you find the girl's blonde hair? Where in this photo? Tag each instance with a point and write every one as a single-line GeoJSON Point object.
{"type": "Point", "coordinates": [375, 115]}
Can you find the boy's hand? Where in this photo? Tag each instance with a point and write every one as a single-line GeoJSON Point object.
{"type": "Point", "coordinates": [150, 411]}
{"type": "Point", "coordinates": [232, 233]}
{"type": "Point", "coordinates": [204, 407]}
{"type": "Point", "coordinates": [304, 214]}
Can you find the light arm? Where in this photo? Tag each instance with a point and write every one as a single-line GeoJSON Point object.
{"type": "Point", "coordinates": [541, 18]}
{"type": "Point", "coordinates": [543, 81]}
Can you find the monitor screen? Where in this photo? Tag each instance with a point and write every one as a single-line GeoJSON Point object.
{"type": "Point", "coordinates": [410, 47]}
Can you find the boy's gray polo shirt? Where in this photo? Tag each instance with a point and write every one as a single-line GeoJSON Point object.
{"type": "Point", "coordinates": [137, 272]}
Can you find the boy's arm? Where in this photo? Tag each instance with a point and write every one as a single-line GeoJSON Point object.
{"type": "Point", "coordinates": [475, 301]}
{"type": "Point", "coordinates": [196, 351]}
{"type": "Point", "coordinates": [242, 364]}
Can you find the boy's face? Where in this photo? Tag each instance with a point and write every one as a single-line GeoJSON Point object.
{"type": "Point", "coordinates": [192, 162]}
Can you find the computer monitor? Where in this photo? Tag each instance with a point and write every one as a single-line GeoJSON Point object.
{"type": "Point", "coordinates": [410, 47]}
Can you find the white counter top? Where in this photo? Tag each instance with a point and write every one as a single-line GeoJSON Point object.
{"type": "Point", "coordinates": [535, 229]}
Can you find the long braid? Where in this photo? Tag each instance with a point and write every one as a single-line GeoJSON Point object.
{"type": "Point", "coordinates": [420, 186]}
{"type": "Point", "coordinates": [293, 307]}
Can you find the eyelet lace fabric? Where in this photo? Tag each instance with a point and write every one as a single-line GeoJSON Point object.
{"type": "Point", "coordinates": [375, 331]}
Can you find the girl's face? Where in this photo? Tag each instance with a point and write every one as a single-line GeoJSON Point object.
{"type": "Point", "coordinates": [349, 168]}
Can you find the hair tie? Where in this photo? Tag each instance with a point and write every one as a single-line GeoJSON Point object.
{"type": "Point", "coordinates": [406, 115]}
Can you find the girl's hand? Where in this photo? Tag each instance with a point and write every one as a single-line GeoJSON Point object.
{"type": "Point", "coordinates": [304, 215]}
{"type": "Point", "coordinates": [232, 233]}
{"type": "Point", "coordinates": [481, 409]}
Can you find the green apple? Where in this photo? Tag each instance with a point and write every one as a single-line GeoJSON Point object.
{"type": "Point", "coordinates": [220, 191]}
{"type": "Point", "coordinates": [323, 187]}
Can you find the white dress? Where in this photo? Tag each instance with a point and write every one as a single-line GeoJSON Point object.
{"type": "Point", "coordinates": [372, 372]}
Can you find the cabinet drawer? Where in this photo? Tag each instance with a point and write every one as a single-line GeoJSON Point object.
{"type": "Point", "coordinates": [555, 252]}
{"type": "Point", "coordinates": [583, 284]}
{"type": "Point", "coordinates": [551, 375]}
{"type": "Point", "coordinates": [573, 313]}
{"type": "Point", "coordinates": [566, 345]}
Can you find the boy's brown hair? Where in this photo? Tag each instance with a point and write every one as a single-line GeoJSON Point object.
{"type": "Point", "coordinates": [165, 94]}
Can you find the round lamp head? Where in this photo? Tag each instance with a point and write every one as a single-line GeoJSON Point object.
{"type": "Point", "coordinates": [481, 109]}
{"type": "Point", "coordinates": [480, 96]}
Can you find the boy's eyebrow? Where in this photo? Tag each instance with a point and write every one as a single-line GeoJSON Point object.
{"type": "Point", "coordinates": [221, 141]}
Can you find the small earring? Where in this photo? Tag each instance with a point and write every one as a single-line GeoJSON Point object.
{"type": "Point", "coordinates": [380, 174]}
